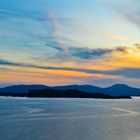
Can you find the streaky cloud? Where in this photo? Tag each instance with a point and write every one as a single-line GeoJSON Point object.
{"type": "Point", "coordinates": [127, 72]}
{"type": "Point", "coordinates": [22, 14]}
{"type": "Point", "coordinates": [54, 46]}
{"type": "Point", "coordinates": [131, 12]}
{"type": "Point", "coordinates": [122, 71]}
{"type": "Point", "coordinates": [4, 69]}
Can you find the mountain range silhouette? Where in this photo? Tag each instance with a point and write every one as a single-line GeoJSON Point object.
{"type": "Point", "coordinates": [117, 90]}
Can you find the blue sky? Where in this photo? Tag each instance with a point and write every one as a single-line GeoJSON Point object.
{"type": "Point", "coordinates": [69, 36]}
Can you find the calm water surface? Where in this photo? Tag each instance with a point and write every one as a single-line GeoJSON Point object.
{"type": "Point", "coordinates": [69, 119]}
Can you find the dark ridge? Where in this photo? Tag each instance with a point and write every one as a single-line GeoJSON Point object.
{"type": "Point", "coordinates": [119, 90]}
{"type": "Point", "coordinates": [52, 93]}
{"type": "Point", "coordinates": [22, 88]}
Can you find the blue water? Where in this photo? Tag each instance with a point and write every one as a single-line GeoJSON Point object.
{"type": "Point", "coordinates": [69, 119]}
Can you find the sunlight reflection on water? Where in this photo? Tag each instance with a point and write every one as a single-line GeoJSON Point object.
{"type": "Point", "coordinates": [69, 119]}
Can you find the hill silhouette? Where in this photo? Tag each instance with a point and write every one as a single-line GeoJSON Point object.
{"type": "Point", "coordinates": [114, 90]}
{"type": "Point", "coordinates": [69, 94]}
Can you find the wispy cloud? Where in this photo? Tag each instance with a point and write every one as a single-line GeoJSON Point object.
{"type": "Point", "coordinates": [123, 71]}
{"type": "Point", "coordinates": [133, 18]}
{"type": "Point", "coordinates": [4, 69]}
{"type": "Point", "coordinates": [20, 14]}
{"type": "Point", "coordinates": [130, 11]}
{"type": "Point", "coordinates": [14, 13]}
{"type": "Point", "coordinates": [44, 35]}
{"type": "Point", "coordinates": [85, 52]}
{"type": "Point", "coordinates": [126, 72]}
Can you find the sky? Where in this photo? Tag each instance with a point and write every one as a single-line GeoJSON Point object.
{"type": "Point", "coordinates": [60, 42]}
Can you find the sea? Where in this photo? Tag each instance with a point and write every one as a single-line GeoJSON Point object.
{"type": "Point", "coordinates": [69, 119]}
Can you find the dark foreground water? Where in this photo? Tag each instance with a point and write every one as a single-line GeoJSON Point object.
{"type": "Point", "coordinates": [69, 119]}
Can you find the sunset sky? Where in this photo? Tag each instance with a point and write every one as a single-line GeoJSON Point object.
{"type": "Point", "coordinates": [60, 42]}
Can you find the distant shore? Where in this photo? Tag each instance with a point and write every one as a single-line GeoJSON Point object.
{"type": "Point", "coordinates": [51, 93]}
{"type": "Point", "coordinates": [117, 91]}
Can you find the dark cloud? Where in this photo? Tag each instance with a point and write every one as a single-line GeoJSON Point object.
{"type": "Point", "coordinates": [137, 45]}
{"type": "Point", "coordinates": [126, 72]}
{"type": "Point", "coordinates": [85, 52]}
{"type": "Point", "coordinates": [5, 62]}
{"type": "Point", "coordinates": [121, 49]}
{"type": "Point", "coordinates": [54, 46]}
{"type": "Point", "coordinates": [51, 40]}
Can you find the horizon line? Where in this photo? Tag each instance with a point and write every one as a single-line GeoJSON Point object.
{"type": "Point", "coordinates": [24, 84]}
